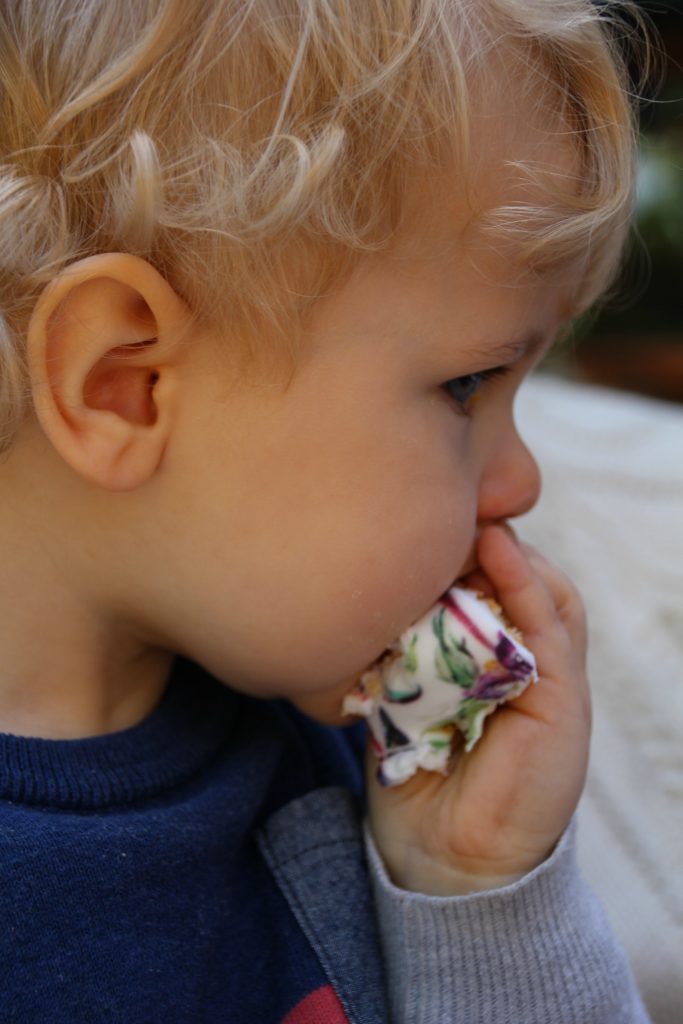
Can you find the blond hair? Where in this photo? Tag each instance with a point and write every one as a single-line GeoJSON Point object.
{"type": "Point", "coordinates": [252, 149]}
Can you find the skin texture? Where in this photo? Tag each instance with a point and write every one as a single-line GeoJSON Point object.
{"type": "Point", "coordinates": [283, 536]}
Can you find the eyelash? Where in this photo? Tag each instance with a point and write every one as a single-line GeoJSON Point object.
{"type": "Point", "coordinates": [482, 377]}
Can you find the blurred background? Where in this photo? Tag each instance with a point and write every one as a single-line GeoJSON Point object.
{"type": "Point", "coordinates": [636, 341]}
{"type": "Point", "coordinates": [610, 516]}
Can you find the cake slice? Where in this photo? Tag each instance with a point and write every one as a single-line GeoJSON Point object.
{"type": "Point", "coordinates": [448, 671]}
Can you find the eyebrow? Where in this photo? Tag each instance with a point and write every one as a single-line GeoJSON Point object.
{"type": "Point", "coordinates": [529, 344]}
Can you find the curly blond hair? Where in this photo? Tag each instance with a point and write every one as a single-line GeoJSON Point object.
{"type": "Point", "coordinates": [251, 150]}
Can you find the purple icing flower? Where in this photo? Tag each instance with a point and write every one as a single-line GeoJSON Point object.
{"type": "Point", "coordinates": [510, 658]}
{"type": "Point", "coordinates": [492, 685]}
{"type": "Point", "coordinates": [511, 668]}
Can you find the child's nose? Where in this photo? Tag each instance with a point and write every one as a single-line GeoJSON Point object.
{"type": "Point", "coordinates": [511, 483]}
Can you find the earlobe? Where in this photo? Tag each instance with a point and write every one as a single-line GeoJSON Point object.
{"type": "Point", "coordinates": [103, 347]}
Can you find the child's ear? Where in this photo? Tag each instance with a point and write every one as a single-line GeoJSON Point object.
{"type": "Point", "coordinates": [103, 347]}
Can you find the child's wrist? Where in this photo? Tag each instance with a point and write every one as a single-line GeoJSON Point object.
{"type": "Point", "coordinates": [412, 869]}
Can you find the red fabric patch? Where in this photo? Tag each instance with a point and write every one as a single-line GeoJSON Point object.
{"type": "Point", "coordinates": [318, 1007]}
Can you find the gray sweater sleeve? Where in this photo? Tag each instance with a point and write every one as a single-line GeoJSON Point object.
{"type": "Point", "coordinates": [539, 951]}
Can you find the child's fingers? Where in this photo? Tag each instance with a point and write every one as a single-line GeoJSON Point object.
{"type": "Point", "coordinates": [553, 576]}
{"type": "Point", "coordinates": [521, 592]}
{"type": "Point", "coordinates": [564, 593]}
{"type": "Point", "coordinates": [477, 580]}
{"type": "Point", "coordinates": [546, 606]}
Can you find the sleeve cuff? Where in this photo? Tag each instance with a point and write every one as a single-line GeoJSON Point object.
{"type": "Point", "coordinates": [539, 949]}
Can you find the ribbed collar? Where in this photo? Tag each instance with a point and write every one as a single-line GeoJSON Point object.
{"type": "Point", "coordinates": [166, 749]}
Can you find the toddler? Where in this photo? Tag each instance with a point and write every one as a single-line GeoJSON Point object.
{"type": "Point", "coordinates": [272, 274]}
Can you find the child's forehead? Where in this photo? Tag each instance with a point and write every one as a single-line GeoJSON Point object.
{"type": "Point", "coordinates": [524, 159]}
{"type": "Point", "coordinates": [521, 136]}
{"type": "Point", "coordinates": [516, 122]}
{"type": "Point", "coordinates": [514, 162]}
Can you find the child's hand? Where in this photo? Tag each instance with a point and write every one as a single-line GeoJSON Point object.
{"type": "Point", "coordinates": [502, 808]}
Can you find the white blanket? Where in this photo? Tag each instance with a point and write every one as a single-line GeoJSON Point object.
{"type": "Point", "coordinates": [611, 515]}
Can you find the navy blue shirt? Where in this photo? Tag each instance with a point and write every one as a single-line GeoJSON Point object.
{"type": "Point", "coordinates": [132, 887]}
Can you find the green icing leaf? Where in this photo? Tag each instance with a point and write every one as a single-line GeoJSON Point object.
{"type": "Point", "coordinates": [473, 707]}
{"type": "Point", "coordinates": [439, 744]}
{"type": "Point", "coordinates": [437, 625]}
{"type": "Point", "coordinates": [410, 657]}
{"type": "Point", "coordinates": [442, 669]}
{"type": "Point", "coordinates": [470, 712]}
{"type": "Point", "coordinates": [400, 693]}
{"type": "Point", "coordinates": [452, 661]}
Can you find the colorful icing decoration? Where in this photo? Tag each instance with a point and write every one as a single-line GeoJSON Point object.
{"type": "Point", "coordinates": [448, 671]}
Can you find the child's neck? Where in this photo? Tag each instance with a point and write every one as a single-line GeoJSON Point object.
{"type": "Point", "coordinates": [69, 669]}
{"type": "Point", "coordinates": [62, 677]}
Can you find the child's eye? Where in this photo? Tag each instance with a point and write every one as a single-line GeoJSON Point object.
{"type": "Point", "coordinates": [462, 389]}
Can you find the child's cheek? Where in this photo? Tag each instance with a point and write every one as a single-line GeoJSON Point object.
{"type": "Point", "coordinates": [372, 606]}
{"type": "Point", "coordinates": [357, 627]}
